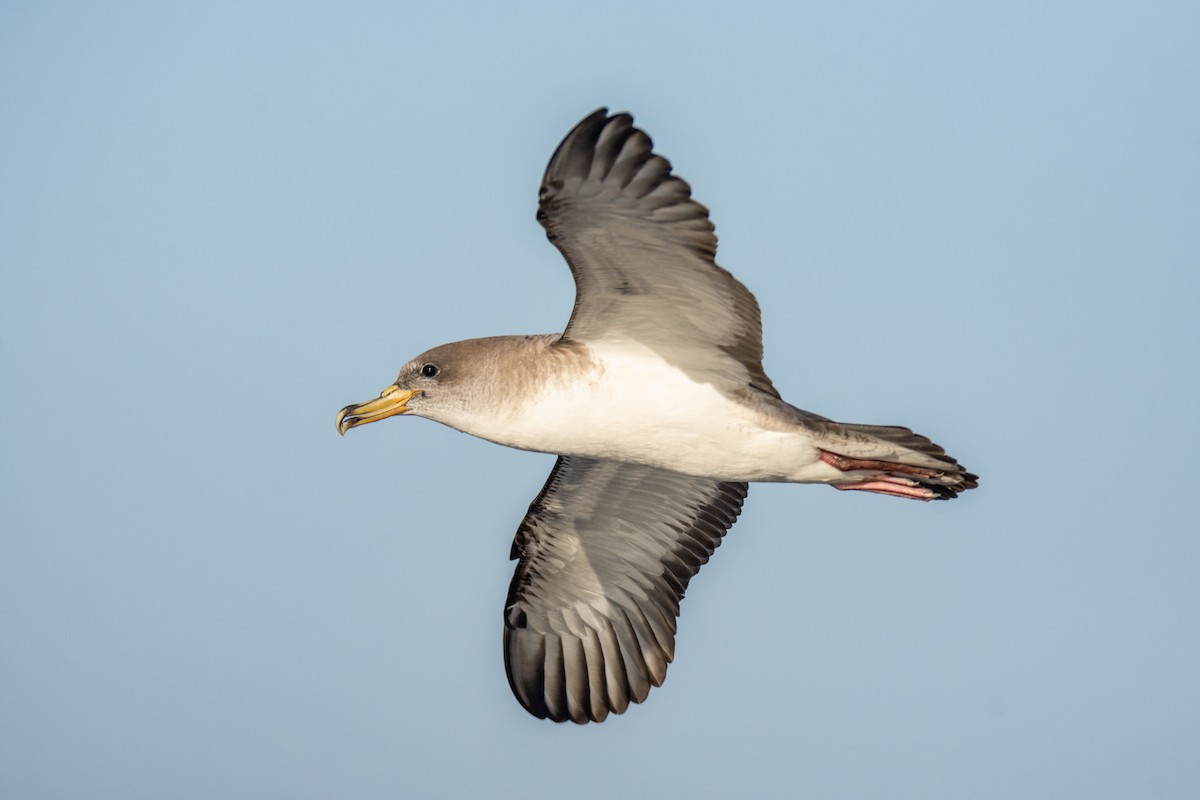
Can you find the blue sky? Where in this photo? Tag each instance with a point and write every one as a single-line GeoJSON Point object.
{"type": "Point", "coordinates": [220, 223]}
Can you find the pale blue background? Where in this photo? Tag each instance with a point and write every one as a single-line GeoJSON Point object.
{"type": "Point", "coordinates": [221, 223]}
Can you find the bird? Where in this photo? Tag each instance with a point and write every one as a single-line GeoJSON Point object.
{"type": "Point", "coordinates": [656, 403]}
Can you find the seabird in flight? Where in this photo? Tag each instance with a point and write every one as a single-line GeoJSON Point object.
{"type": "Point", "coordinates": [655, 401]}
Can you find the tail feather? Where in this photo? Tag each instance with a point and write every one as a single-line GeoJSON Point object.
{"type": "Point", "coordinates": [867, 452]}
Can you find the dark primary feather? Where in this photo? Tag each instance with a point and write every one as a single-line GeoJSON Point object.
{"type": "Point", "coordinates": [605, 554]}
{"type": "Point", "coordinates": [642, 253]}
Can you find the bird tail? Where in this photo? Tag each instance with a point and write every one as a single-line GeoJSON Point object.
{"type": "Point", "coordinates": [891, 460]}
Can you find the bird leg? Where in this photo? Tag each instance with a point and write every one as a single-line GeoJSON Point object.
{"type": "Point", "coordinates": [885, 481]}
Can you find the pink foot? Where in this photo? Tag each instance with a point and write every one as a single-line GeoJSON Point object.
{"type": "Point", "coordinates": [886, 480]}
{"type": "Point", "coordinates": [916, 492]}
{"type": "Point", "coordinates": [845, 464]}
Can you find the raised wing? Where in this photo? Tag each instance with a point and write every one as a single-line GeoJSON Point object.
{"type": "Point", "coordinates": [606, 552]}
{"type": "Point", "coordinates": [641, 250]}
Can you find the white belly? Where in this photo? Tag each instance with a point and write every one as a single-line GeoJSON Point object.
{"type": "Point", "coordinates": [646, 411]}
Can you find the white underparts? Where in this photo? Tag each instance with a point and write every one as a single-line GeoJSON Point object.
{"type": "Point", "coordinates": [630, 405]}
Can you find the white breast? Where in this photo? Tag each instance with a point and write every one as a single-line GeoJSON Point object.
{"type": "Point", "coordinates": [633, 406]}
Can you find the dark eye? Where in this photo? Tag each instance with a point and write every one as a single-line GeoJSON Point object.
{"type": "Point", "coordinates": [429, 371]}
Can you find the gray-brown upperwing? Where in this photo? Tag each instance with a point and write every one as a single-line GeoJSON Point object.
{"type": "Point", "coordinates": [642, 253]}
{"type": "Point", "coordinates": [606, 552]}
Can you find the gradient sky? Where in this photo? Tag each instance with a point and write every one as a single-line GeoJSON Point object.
{"type": "Point", "coordinates": [220, 223]}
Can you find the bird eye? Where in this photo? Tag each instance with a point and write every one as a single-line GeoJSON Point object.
{"type": "Point", "coordinates": [429, 371]}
